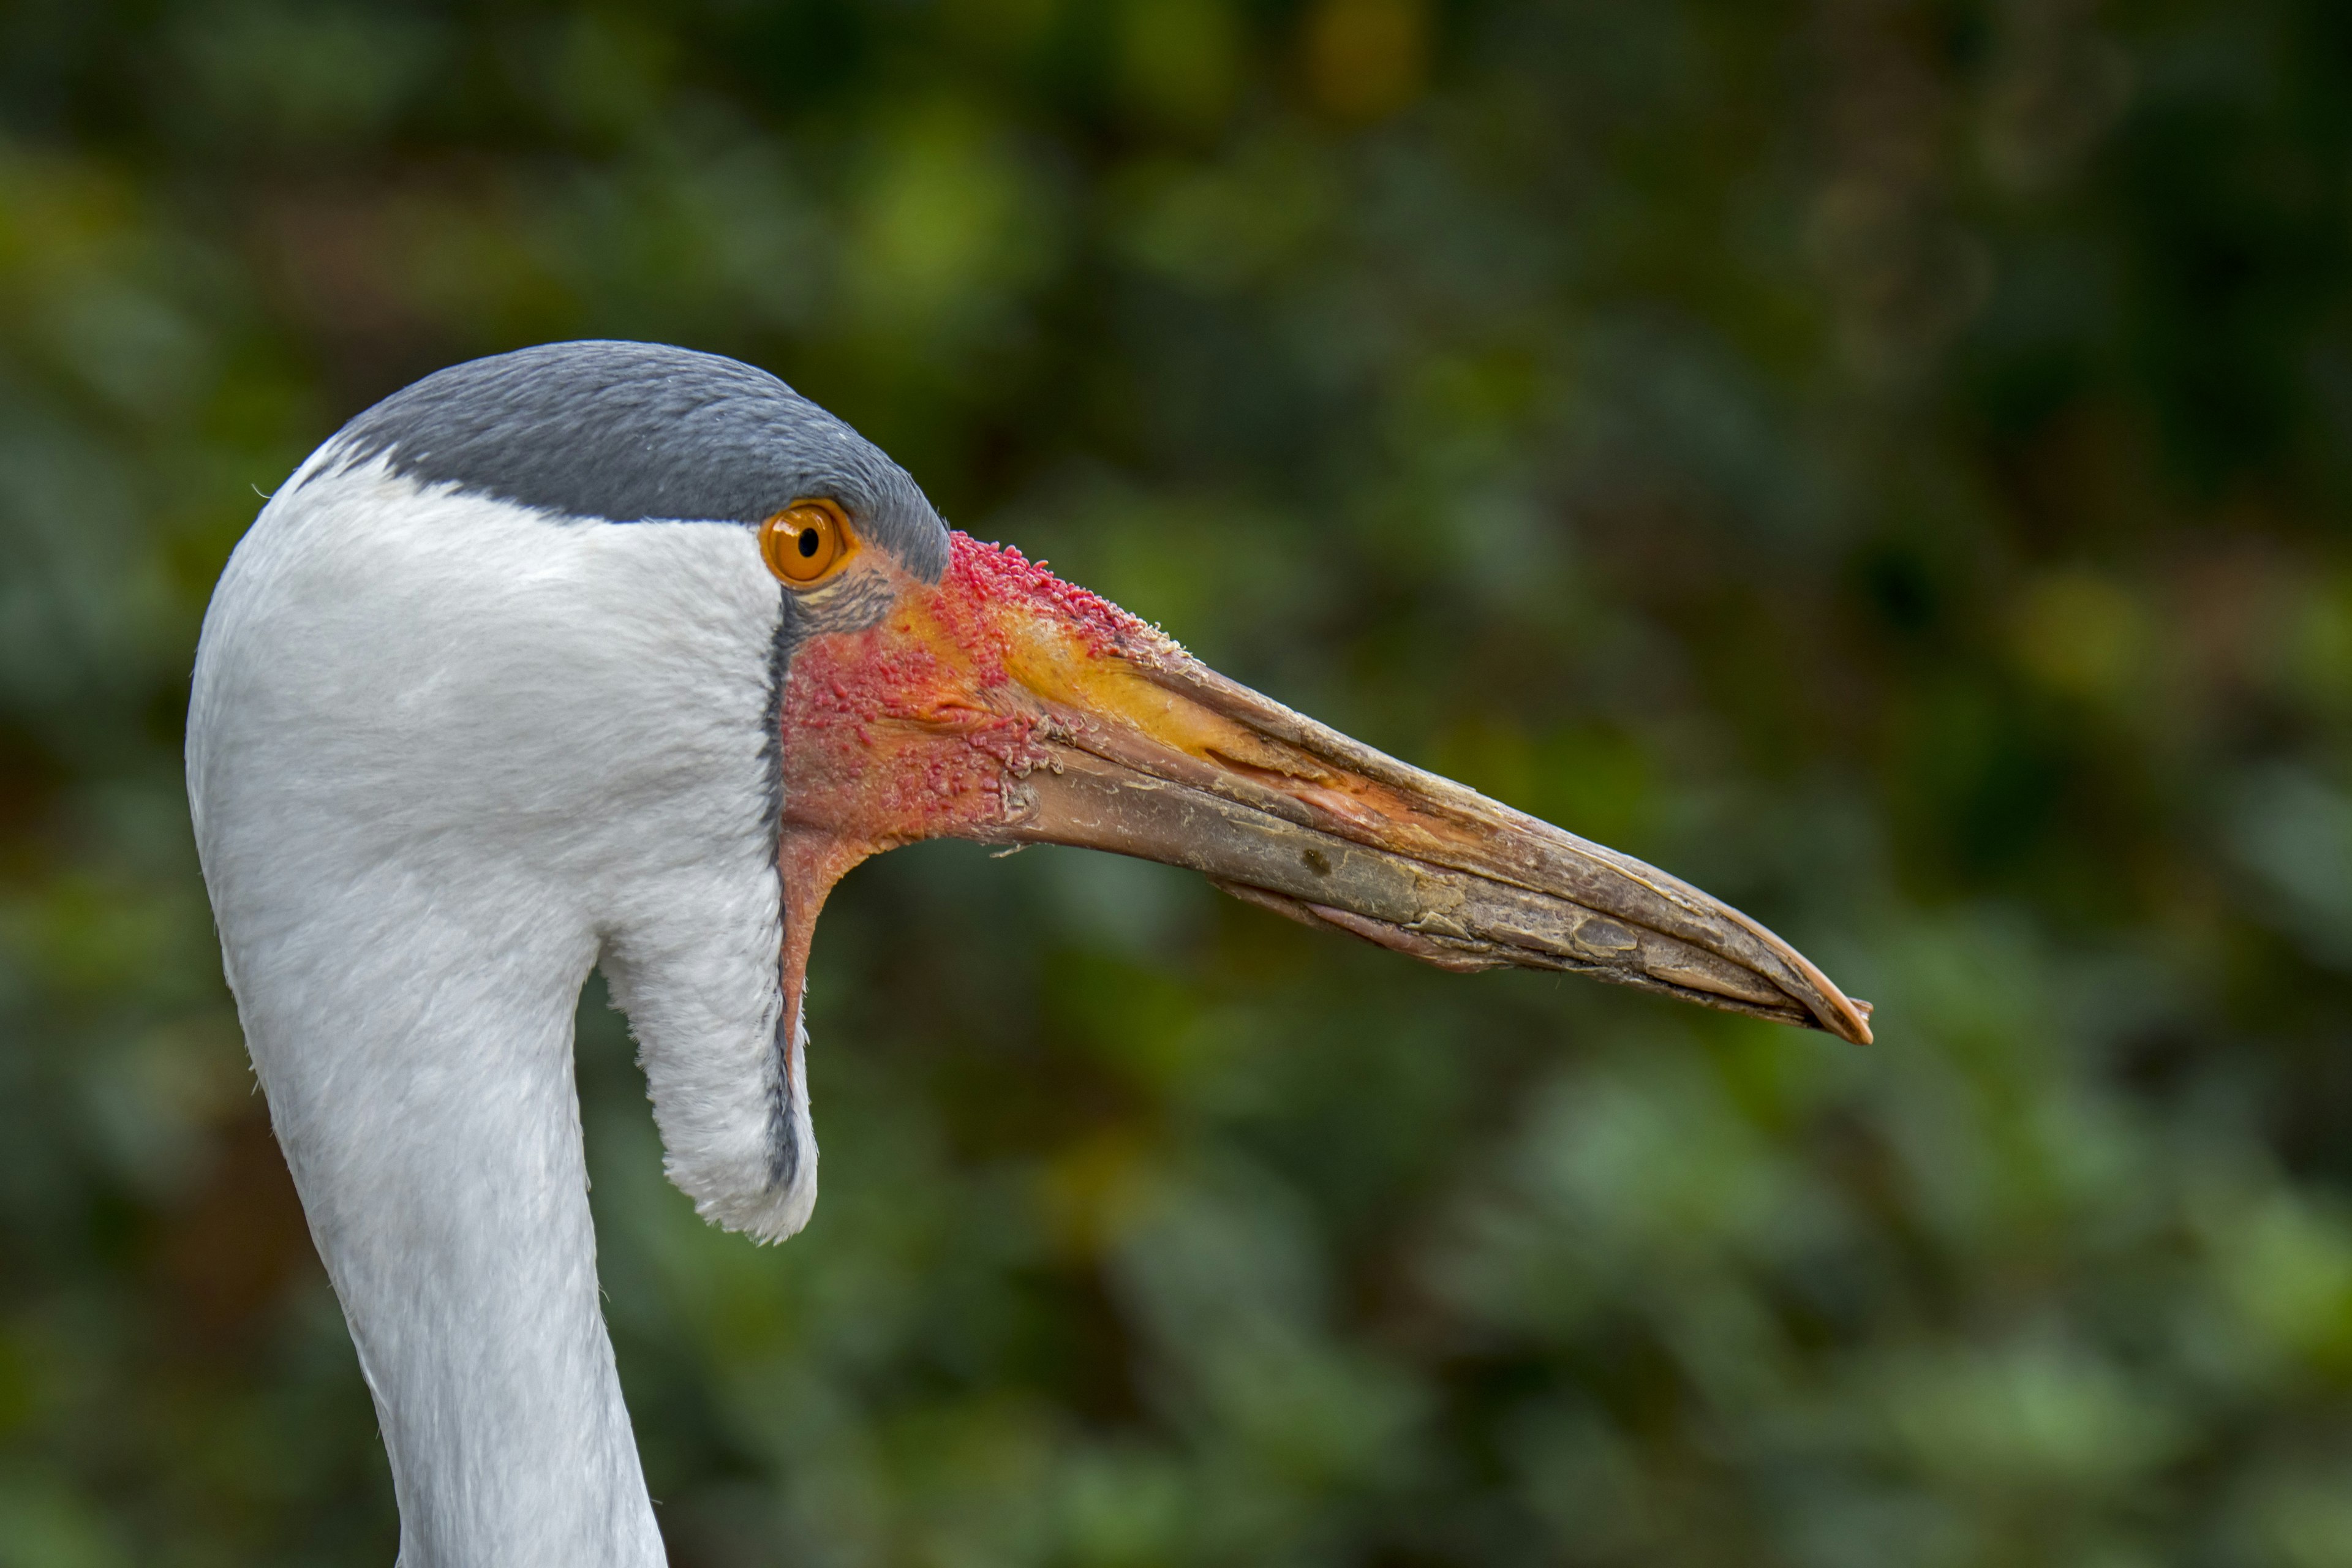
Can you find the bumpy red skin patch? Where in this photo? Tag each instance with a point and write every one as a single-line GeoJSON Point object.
{"type": "Point", "coordinates": [983, 581]}
{"type": "Point", "coordinates": [914, 728]}
{"type": "Point", "coordinates": [907, 730]}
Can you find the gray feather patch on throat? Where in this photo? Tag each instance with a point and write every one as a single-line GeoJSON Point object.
{"type": "Point", "coordinates": [783, 1129]}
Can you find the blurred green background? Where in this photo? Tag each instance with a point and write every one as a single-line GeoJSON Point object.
{"type": "Point", "coordinates": [1889, 462]}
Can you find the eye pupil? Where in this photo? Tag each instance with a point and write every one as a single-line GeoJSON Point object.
{"type": "Point", "coordinates": [809, 542]}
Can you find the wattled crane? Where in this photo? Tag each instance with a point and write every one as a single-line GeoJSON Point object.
{"type": "Point", "coordinates": [614, 654]}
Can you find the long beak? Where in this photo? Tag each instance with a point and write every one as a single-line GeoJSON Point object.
{"type": "Point", "coordinates": [1006, 706]}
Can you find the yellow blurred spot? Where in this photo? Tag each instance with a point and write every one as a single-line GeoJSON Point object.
{"type": "Point", "coordinates": [1366, 58]}
{"type": "Point", "coordinates": [2080, 634]}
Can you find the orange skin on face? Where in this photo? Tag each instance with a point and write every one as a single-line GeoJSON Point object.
{"type": "Point", "coordinates": [911, 728]}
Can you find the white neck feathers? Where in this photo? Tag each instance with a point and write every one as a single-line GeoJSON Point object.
{"type": "Point", "coordinates": [445, 755]}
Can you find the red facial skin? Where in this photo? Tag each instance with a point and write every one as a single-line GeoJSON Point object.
{"type": "Point", "coordinates": [910, 729]}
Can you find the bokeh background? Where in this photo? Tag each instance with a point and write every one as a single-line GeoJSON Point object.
{"type": "Point", "coordinates": [1888, 461]}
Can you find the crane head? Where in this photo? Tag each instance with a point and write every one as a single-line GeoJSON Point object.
{"type": "Point", "coordinates": [619, 653]}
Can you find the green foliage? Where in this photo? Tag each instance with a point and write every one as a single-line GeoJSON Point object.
{"type": "Point", "coordinates": [1886, 461]}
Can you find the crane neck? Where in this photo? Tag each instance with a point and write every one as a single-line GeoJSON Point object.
{"type": "Point", "coordinates": [441, 1165]}
{"type": "Point", "coordinates": [445, 755]}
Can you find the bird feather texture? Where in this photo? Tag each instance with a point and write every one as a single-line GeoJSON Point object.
{"type": "Point", "coordinates": [445, 754]}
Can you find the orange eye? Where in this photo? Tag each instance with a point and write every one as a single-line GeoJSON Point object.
{"type": "Point", "coordinates": [804, 542]}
